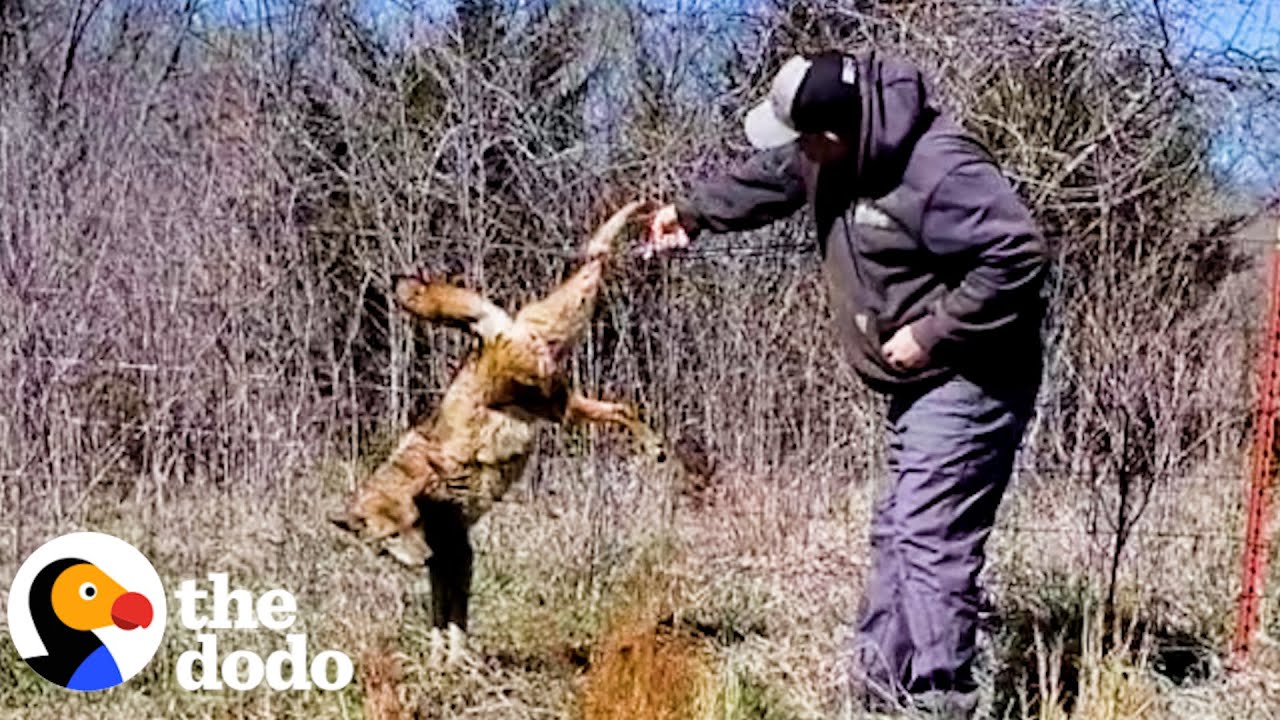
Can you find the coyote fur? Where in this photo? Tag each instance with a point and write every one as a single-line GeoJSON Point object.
{"type": "Point", "coordinates": [450, 469]}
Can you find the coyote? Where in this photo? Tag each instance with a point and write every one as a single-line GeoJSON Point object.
{"type": "Point", "coordinates": [450, 469]}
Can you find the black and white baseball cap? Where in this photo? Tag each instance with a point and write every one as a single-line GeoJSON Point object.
{"type": "Point", "coordinates": [808, 95]}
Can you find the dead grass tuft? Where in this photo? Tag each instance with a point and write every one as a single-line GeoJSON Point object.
{"type": "Point", "coordinates": [645, 671]}
{"type": "Point", "coordinates": [380, 675]}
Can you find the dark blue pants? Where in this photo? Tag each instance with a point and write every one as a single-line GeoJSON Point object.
{"type": "Point", "coordinates": [950, 455]}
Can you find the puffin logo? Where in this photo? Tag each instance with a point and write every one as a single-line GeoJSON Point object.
{"type": "Point", "coordinates": [87, 611]}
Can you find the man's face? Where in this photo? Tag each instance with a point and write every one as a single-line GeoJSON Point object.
{"type": "Point", "coordinates": [823, 148]}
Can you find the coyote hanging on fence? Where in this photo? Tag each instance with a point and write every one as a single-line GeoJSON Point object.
{"type": "Point", "coordinates": [447, 471]}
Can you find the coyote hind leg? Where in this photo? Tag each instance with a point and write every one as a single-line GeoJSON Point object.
{"type": "Point", "coordinates": [562, 316]}
{"type": "Point", "coordinates": [451, 305]}
{"type": "Point", "coordinates": [601, 242]}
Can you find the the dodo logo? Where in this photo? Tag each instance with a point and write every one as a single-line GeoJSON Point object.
{"type": "Point", "coordinates": [87, 611]}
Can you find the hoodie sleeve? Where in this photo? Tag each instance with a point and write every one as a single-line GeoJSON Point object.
{"type": "Point", "coordinates": [975, 218]}
{"type": "Point", "coordinates": [765, 188]}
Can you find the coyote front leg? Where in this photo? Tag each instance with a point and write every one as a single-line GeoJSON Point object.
{"type": "Point", "coordinates": [581, 409]}
{"type": "Point", "coordinates": [450, 565]}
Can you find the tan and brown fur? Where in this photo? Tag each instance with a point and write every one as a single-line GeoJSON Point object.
{"type": "Point", "coordinates": [450, 469]}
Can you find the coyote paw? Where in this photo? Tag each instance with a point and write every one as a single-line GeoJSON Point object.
{"type": "Point", "coordinates": [407, 286]}
{"type": "Point", "coordinates": [446, 647]}
{"type": "Point", "coordinates": [648, 441]}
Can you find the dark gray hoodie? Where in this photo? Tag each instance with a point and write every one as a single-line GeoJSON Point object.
{"type": "Point", "coordinates": [917, 226]}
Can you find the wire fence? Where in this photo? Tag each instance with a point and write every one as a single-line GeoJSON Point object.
{"type": "Point", "coordinates": [274, 431]}
{"type": "Point", "coordinates": [420, 392]}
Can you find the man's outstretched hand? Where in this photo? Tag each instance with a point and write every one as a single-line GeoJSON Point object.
{"type": "Point", "coordinates": [665, 233]}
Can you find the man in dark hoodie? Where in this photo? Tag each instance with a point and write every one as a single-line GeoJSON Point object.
{"type": "Point", "coordinates": [934, 267]}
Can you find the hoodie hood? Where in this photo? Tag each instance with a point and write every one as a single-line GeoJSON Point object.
{"type": "Point", "coordinates": [896, 109]}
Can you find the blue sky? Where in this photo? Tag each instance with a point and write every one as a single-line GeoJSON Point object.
{"type": "Point", "coordinates": [1241, 28]}
{"type": "Point", "coordinates": [1249, 25]}
{"type": "Point", "coordinates": [1202, 29]}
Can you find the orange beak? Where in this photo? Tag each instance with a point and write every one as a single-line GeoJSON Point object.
{"type": "Point", "coordinates": [131, 610]}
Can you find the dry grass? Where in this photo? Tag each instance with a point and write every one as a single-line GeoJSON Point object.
{"type": "Point", "coordinates": [600, 595]}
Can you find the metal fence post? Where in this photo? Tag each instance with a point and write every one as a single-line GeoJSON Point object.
{"type": "Point", "coordinates": [1254, 570]}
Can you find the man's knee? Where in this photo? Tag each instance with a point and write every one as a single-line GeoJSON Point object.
{"type": "Point", "coordinates": [942, 570]}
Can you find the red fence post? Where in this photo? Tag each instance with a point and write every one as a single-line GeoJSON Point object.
{"type": "Point", "coordinates": [1254, 572]}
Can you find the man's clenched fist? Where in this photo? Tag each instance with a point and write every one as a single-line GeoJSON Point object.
{"type": "Point", "coordinates": [903, 351]}
{"type": "Point", "coordinates": [665, 233]}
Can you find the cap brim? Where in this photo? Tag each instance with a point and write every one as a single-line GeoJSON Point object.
{"type": "Point", "coordinates": [764, 129]}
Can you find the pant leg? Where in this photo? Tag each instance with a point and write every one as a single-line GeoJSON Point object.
{"type": "Point", "coordinates": [882, 645]}
{"type": "Point", "coordinates": [954, 459]}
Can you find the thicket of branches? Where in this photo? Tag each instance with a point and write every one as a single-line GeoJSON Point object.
{"type": "Point", "coordinates": [200, 215]}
